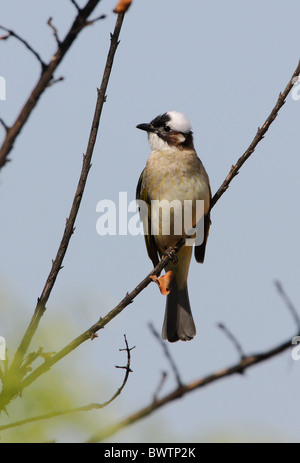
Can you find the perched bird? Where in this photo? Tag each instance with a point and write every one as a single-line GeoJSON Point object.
{"type": "Point", "coordinates": [174, 172]}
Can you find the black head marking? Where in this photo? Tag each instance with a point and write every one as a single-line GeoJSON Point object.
{"type": "Point", "coordinates": [161, 121]}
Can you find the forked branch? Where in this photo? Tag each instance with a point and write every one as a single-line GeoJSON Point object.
{"type": "Point", "coordinates": [47, 74]}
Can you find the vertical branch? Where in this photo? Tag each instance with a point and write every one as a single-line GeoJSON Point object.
{"type": "Point", "coordinates": [69, 228]}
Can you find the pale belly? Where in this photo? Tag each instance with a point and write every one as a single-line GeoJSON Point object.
{"type": "Point", "coordinates": [178, 188]}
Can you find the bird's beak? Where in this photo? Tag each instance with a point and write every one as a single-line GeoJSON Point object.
{"type": "Point", "coordinates": [146, 127]}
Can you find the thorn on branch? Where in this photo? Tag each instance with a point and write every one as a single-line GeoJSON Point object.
{"type": "Point", "coordinates": [54, 30]}
{"type": "Point", "coordinates": [93, 336]}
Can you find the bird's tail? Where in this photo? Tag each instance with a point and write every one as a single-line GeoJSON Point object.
{"type": "Point", "coordinates": [178, 322]}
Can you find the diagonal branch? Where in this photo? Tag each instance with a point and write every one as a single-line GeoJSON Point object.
{"type": "Point", "coordinates": [46, 77]}
{"type": "Point", "coordinates": [246, 363]}
{"type": "Point", "coordinates": [258, 137]}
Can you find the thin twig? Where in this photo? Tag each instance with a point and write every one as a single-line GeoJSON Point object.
{"type": "Point", "coordinates": [24, 42]}
{"type": "Point", "coordinates": [168, 356]}
{"type": "Point", "coordinates": [76, 6]}
{"type": "Point", "coordinates": [85, 408]}
{"type": "Point", "coordinates": [288, 303]}
{"type": "Point", "coordinates": [6, 128]}
{"type": "Point", "coordinates": [233, 339]}
{"type": "Point", "coordinates": [54, 30]}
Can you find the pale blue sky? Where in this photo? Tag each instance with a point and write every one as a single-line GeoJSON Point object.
{"type": "Point", "coordinates": [223, 64]}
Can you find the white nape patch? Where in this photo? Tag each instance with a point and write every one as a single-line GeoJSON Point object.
{"type": "Point", "coordinates": [179, 122]}
{"type": "Point", "coordinates": [157, 143]}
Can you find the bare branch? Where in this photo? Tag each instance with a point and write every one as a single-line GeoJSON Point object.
{"type": "Point", "coordinates": [85, 408]}
{"type": "Point", "coordinates": [93, 21]}
{"type": "Point", "coordinates": [246, 363]}
{"type": "Point", "coordinates": [25, 43]}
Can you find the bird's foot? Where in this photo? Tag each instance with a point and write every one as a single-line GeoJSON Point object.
{"type": "Point", "coordinates": [163, 282]}
{"type": "Point", "coordinates": [171, 254]}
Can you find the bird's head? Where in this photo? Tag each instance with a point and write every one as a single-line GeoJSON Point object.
{"type": "Point", "coordinates": [169, 130]}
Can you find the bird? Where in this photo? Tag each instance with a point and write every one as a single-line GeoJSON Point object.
{"type": "Point", "coordinates": [173, 173]}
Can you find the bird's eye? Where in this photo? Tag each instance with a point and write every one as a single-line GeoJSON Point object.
{"type": "Point", "coordinates": [167, 128]}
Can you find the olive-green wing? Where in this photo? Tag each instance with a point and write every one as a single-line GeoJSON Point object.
{"type": "Point", "coordinates": [141, 194]}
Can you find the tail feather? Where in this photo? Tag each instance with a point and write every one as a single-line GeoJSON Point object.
{"type": "Point", "coordinates": [178, 322]}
